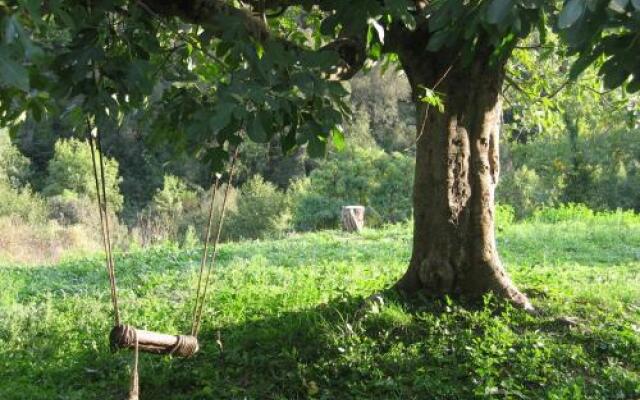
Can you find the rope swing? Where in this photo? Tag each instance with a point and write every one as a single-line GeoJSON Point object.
{"type": "Point", "coordinates": [126, 336]}
{"type": "Point", "coordinates": [201, 296]}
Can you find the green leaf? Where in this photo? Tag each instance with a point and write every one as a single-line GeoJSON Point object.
{"type": "Point", "coordinates": [592, 5]}
{"type": "Point", "coordinates": [33, 7]}
{"type": "Point", "coordinates": [288, 141]}
{"type": "Point", "coordinates": [614, 74]}
{"type": "Point", "coordinates": [498, 11]}
{"type": "Point", "coordinates": [138, 72]}
{"type": "Point", "coordinates": [432, 98]}
{"type": "Point", "coordinates": [582, 63]}
{"type": "Point", "coordinates": [440, 18]}
{"type": "Point", "coordinates": [542, 27]}
{"type": "Point", "coordinates": [399, 9]}
{"type": "Point", "coordinates": [221, 116]}
{"type": "Point", "coordinates": [257, 129]}
{"type": "Point", "coordinates": [11, 72]}
{"type": "Point", "coordinates": [317, 146]}
{"type": "Point", "coordinates": [337, 136]}
{"type": "Point", "coordinates": [571, 12]}
{"type": "Point", "coordinates": [375, 51]}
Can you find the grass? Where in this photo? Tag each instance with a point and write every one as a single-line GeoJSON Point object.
{"type": "Point", "coordinates": [286, 312]}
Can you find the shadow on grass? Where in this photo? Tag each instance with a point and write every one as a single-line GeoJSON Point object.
{"type": "Point", "coordinates": [406, 350]}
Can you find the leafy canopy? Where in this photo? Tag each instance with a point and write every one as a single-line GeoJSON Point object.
{"type": "Point", "coordinates": [204, 74]}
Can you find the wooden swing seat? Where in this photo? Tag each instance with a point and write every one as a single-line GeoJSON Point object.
{"type": "Point", "coordinates": [125, 337]}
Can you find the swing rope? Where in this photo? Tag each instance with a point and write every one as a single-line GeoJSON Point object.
{"type": "Point", "coordinates": [98, 165]}
{"type": "Point", "coordinates": [201, 297]}
{"type": "Point", "coordinates": [134, 386]}
{"type": "Point", "coordinates": [94, 142]}
{"type": "Point", "coordinates": [214, 189]}
{"type": "Point", "coordinates": [124, 335]}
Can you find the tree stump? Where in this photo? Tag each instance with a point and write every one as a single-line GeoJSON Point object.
{"type": "Point", "coordinates": [352, 218]}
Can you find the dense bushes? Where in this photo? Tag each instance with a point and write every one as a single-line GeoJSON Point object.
{"type": "Point", "coordinates": [17, 199]}
{"type": "Point", "coordinates": [262, 211]}
{"type": "Point", "coordinates": [313, 210]}
{"type": "Point", "coordinates": [37, 228]}
{"type": "Point", "coordinates": [15, 168]}
{"type": "Point", "coordinates": [598, 169]}
{"type": "Point", "coordinates": [22, 203]}
{"type": "Point", "coordinates": [524, 191]}
{"type": "Point", "coordinates": [259, 209]}
{"type": "Point", "coordinates": [70, 174]}
{"type": "Point", "coordinates": [370, 177]}
{"type": "Point", "coordinates": [179, 212]}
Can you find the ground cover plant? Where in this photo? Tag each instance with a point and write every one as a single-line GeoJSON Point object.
{"type": "Point", "coordinates": [290, 323]}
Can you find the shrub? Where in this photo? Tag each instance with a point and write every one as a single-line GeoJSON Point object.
{"type": "Point", "coordinates": [262, 211]}
{"type": "Point", "coordinates": [175, 197]}
{"type": "Point", "coordinates": [22, 203]}
{"type": "Point", "coordinates": [523, 190]}
{"type": "Point", "coordinates": [70, 209]}
{"type": "Point", "coordinates": [505, 215]}
{"type": "Point", "coordinates": [164, 218]}
{"type": "Point", "coordinates": [311, 210]}
{"type": "Point", "coordinates": [15, 168]}
{"type": "Point", "coordinates": [271, 162]}
{"type": "Point", "coordinates": [179, 213]}
{"type": "Point", "coordinates": [190, 239]}
{"type": "Point", "coordinates": [563, 212]}
{"type": "Point", "coordinates": [598, 168]}
{"type": "Point", "coordinates": [16, 197]}
{"type": "Point", "coordinates": [391, 192]}
{"type": "Point", "coordinates": [70, 171]}
{"type": "Point", "coordinates": [574, 213]}
{"type": "Point", "coordinates": [370, 177]}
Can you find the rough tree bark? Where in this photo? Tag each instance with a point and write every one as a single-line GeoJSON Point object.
{"type": "Point", "coordinates": [457, 168]}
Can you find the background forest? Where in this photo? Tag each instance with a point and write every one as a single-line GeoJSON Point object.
{"type": "Point", "coordinates": [566, 144]}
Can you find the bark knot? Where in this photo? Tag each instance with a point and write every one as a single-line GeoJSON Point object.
{"type": "Point", "coordinates": [459, 189]}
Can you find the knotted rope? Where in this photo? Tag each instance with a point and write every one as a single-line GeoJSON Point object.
{"type": "Point", "coordinates": [134, 388]}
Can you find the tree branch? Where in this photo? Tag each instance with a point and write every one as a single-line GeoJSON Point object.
{"type": "Point", "coordinates": [209, 14]}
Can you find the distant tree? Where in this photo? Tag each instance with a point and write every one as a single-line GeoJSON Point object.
{"type": "Point", "coordinates": [574, 135]}
{"type": "Point", "coordinates": [15, 168]}
{"type": "Point", "coordinates": [384, 97]}
{"type": "Point", "coordinates": [214, 72]}
{"type": "Point", "coordinates": [70, 173]}
{"type": "Point", "coordinates": [262, 211]}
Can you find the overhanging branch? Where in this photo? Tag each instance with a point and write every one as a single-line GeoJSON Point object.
{"type": "Point", "coordinates": [209, 13]}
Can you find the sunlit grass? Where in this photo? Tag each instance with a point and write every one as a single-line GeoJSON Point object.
{"type": "Point", "coordinates": [286, 312]}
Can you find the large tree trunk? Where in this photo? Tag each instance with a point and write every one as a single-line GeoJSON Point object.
{"type": "Point", "coordinates": [457, 167]}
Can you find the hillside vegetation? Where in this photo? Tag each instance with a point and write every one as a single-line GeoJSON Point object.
{"type": "Point", "coordinates": [288, 314]}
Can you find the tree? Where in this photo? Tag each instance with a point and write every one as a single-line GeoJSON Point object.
{"type": "Point", "coordinates": [565, 137]}
{"type": "Point", "coordinates": [210, 71]}
{"type": "Point", "coordinates": [71, 174]}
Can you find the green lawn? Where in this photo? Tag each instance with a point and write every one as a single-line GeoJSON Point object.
{"type": "Point", "coordinates": [286, 312]}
